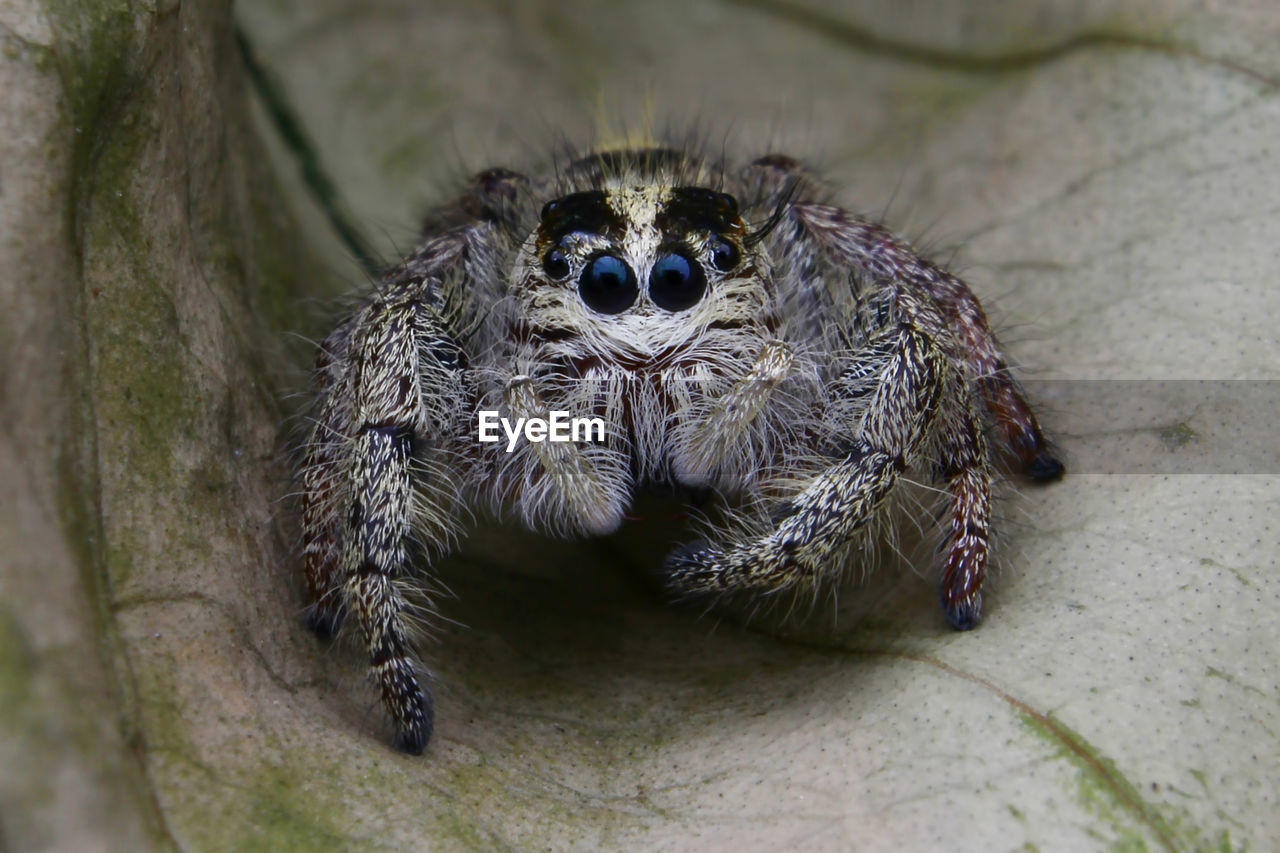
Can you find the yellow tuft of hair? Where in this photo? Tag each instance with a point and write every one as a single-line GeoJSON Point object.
{"type": "Point", "coordinates": [617, 131]}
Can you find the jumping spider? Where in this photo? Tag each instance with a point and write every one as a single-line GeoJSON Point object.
{"type": "Point", "coordinates": [736, 334]}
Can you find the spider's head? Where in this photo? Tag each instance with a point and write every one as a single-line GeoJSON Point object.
{"type": "Point", "coordinates": [642, 273]}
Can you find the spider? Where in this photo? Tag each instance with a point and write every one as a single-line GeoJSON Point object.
{"type": "Point", "coordinates": [737, 334]}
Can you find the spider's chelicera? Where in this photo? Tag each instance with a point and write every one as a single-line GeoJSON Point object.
{"type": "Point", "coordinates": [733, 332]}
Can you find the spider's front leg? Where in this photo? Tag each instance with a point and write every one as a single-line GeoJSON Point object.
{"type": "Point", "coordinates": [809, 540]}
{"type": "Point", "coordinates": [565, 486]}
{"type": "Point", "coordinates": [399, 374]}
{"type": "Point", "coordinates": [391, 386]}
{"type": "Point", "coordinates": [711, 445]}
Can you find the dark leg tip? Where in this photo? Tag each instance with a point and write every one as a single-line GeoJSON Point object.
{"type": "Point", "coordinates": [412, 737]}
{"type": "Point", "coordinates": [323, 622]}
{"type": "Point", "coordinates": [963, 615]}
{"type": "Point", "coordinates": [1045, 468]}
{"type": "Point", "coordinates": [411, 741]}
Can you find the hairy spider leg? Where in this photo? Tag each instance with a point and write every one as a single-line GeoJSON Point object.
{"type": "Point", "coordinates": [873, 248]}
{"type": "Point", "coordinates": [807, 542]}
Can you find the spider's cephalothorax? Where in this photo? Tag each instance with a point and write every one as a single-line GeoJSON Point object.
{"type": "Point", "coordinates": [730, 330]}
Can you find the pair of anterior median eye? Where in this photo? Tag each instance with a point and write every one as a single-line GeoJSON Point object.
{"type": "Point", "coordinates": [676, 282]}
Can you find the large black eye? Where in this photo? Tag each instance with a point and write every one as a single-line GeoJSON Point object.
{"type": "Point", "coordinates": [676, 282]}
{"type": "Point", "coordinates": [725, 256]}
{"type": "Point", "coordinates": [608, 285]}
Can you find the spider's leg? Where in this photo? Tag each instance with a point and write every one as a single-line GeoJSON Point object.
{"type": "Point", "coordinates": [855, 242]}
{"type": "Point", "coordinates": [392, 385]}
{"type": "Point", "coordinates": [860, 244]}
{"type": "Point", "coordinates": [808, 542]}
{"type": "Point", "coordinates": [963, 462]}
{"type": "Point", "coordinates": [404, 378]}
{"type": "Point", "coordinates": [718, 434]}
{"type": "Point", "coordinates": [568, 487]}
{"type": "Point", "coordinates": [324, 477]}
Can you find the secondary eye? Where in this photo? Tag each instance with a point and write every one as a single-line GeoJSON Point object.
{"type": "Point", "coordinates": [555, 264]}
{"type": "Point", "coordinates": [608, 285]}
{"type": "Point", "coordinates": [676, 282]}
{"type": "Point", "coordinates": [725, 256]}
